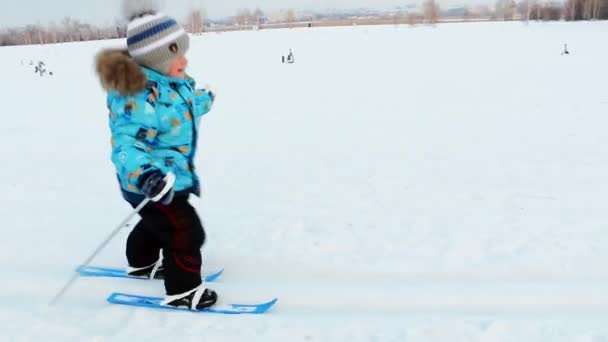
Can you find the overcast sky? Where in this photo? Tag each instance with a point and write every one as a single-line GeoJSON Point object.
{"type": "Point", "coordinates": [22, 12]}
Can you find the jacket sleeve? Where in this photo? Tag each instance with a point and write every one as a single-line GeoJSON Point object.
{"type": "Point", "coordinates": [134, 126]}
{"type": "Point", "coordinates": [202, 102]}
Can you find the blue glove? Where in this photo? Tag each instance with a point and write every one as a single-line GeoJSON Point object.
{"type": "Point", "coordinates": [153, 184]}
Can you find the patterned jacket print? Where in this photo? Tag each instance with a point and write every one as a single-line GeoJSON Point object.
{"type": "Point", "coordinates": [156, 128]}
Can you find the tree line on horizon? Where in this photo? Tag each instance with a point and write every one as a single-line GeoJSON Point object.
{"type": "Point", "coordinates": [570, 10]}
{"type": "Point", "coordinates": [73, 30]}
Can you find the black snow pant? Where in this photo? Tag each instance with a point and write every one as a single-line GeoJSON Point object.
{"type": "Point", "coordinates": [178, 231]}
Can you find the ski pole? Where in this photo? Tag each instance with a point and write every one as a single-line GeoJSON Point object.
{"type": "Point", "coordinates": [103, 244]}
{"type": "Point", "coordinates": [169, 182]}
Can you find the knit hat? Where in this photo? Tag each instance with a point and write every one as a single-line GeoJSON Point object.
{"type": "Point", "coordinates": [154, 39]}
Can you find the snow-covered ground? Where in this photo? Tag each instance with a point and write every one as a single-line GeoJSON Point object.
{"type": "Point", "coordinates": [394, 184]}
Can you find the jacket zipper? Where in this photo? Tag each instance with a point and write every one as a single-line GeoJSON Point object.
{"type": "Point", "coordinates": [175, 87]}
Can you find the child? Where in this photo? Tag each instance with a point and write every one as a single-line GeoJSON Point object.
{"type": "Point", "coordinates": [154, 117]}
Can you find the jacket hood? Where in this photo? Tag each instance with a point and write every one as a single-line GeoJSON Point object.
{"type": "Point", "coordinates": [118, 71]}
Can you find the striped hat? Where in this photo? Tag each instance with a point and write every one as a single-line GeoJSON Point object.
{"type": "Point", "coordinates": [155, 40]}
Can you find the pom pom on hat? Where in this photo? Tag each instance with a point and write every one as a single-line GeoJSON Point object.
{"type": "Point", "coordinates": [137, 8]}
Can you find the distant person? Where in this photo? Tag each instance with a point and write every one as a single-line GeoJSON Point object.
{"type": "Point", "coordinates": [290, 57]}
{"type": "Point", "coordinates": [155, 111]}
{"type": "Point", "coordinates": [40, 68]}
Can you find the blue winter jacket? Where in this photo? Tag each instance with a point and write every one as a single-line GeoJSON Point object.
{"type": "Point", "coordinates": [157, 128]}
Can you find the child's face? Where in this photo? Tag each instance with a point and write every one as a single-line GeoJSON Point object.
{"type": "Point", "coordinates": [178, 67]}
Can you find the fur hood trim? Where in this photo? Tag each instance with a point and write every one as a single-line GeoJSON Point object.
{"type": "Point", "coordinates": [118, 71]}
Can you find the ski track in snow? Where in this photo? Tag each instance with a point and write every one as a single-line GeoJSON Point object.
{"type": "Point", "coordinates": [394, 184]}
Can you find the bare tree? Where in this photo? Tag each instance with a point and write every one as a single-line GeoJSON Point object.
{"type": "Point", "coordinates": [4, 38]}
{"type": "Point", "coordinates": [68, 30]}
{"type": "Point", "coordinates": [505, 9]}
{"type": "Point", "coordinates": [51, 34]}
{"type": "Point", "coordinates": [603, 9]}
{"type": "Point", "coordinates": [244, 17]}
{"type": "Point", "coordinates": [525, 9]}
{"type": "Point", "coordinates": [397, 17]}
{"type": "Point", "coordinates": [586, 9]}
{"type": "Point", "coordinates": [196, 20]}
{"type": "Point", "coordinates": [553, 12]}
{"type": "Point", "coordinates": [431, 11]}
{"type": "Point", "coordinates": [499, 9]}
{"type": "Point", "coordinates": [547, 12]}
{"type": "Point", "coordinates": [259, 17]}
{"type": "Point", "coordinates": [13, 37]}
{"type": "Point", "coordinates": [466, 13]}
{"type": "Point", "coordinates": [570, 8]}
{"type": "Point", "coordinates": [290, 17]}
{"type": "Point", "coordinates": [414, 18]}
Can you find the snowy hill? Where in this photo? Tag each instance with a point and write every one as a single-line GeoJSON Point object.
{"type": "Point", "coordinates": [393, 184]}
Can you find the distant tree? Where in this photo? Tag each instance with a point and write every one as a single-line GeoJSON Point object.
{"type": "Point", "coordinates": [397, 17]}
{"type": "Point", "coordinates": [32, 34]}
{"type": "Point", "coordinates": [196, 21]}
{"type": "Point", "coordinates": [466, 13]}
{"type": "Point", "coordinates": [13, 37]}
{"type": "Point", "coordinates": [121, 28]}
{"type": "Point", "coordinates": [4, 38]}
{"type": "Point", "coordinates": [603, 9]}
{"type": "Point", "coordinates": [505, 9]}
{"type": "Point", "coordinates": [69, 30]}
{"type": "Point", "coordinates": [413, 18]}
{"type": "Point", "coordinates": [259, 17]}
{"type": "Point", "coordinates": [243, 17]}
{"type": "Point", "coordinates": [552, 12]}
{"type": "Point", "coordinates": [535, 11]}
{"type": "Point", "coordinates": [522, 9]}
{"type": "Point", "coordinates": [533, 7]}
{"type": "Point", "coordinates": [586, 9]}
{"type": "Point", "coordinates": [258, 13]}
{"type": "Point", "coordinates": [290, 17]}
{"type": "Point", "coordinates": [51, 34]}
{"type": "Point", "coordinates": [431, 12]}
{"type": "Point", "coordinates": [596, 8]}
{"type": "Point", "coordinates": [85, 31]}
{"type": "Point", "coordinates": [573, 9]}
{"type": "Point", "coordinates": [547, 12]}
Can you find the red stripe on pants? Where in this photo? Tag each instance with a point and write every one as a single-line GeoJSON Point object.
{"type": "Point", "coordinates": [178, 229]}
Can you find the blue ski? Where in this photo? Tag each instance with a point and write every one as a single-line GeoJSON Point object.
{"type": "Point", "coordinates": [154, 303]}
{"type": "Point", "coordinates": [94, 271]}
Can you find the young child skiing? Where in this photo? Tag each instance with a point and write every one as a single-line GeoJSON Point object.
{"type": "Point", "coordinates": [155, 111]}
